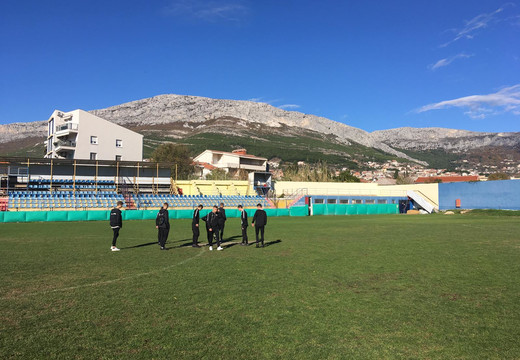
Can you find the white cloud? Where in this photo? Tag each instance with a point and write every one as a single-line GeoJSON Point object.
{"type": "Point", "coordinates": [447, 61]}
{"type": "Point", "coordinates": [289, 106]}
{"type": "Point", "coordinates": [479, 106]}
{"type": "Point", "coordinates": [472, 26]}
{"type": "Point", "coordinates": [265, 101]}
{"type": "Point", "coordinates": [211, 10]}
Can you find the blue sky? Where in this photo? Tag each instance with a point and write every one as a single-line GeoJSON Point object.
{"type": "Point", "coordinates": [370, 64]}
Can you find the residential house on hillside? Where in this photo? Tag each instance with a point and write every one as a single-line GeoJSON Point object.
{"type": "Point", "coordinates": [231, 162]}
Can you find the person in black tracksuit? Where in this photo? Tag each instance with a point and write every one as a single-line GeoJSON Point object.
{"type": "Point", "coordinates": [162, 223]}
{"type": "Point", "coordinates": [221, 220]}
{"type": "Point", "coordinates": [195, 225]}
{"type": "Point", "coordinates": [259, 222]}
{"type": "Point", "coordinates": [243, 224]}
{"type": "Point", "coordinates": [116, 223]}
{"type": "Point", "coordinates": [212, 228]}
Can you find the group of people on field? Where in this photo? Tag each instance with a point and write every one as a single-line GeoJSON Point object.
{"type": "Point", "coordinates": [215, 223]}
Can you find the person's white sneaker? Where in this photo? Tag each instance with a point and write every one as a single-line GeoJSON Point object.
{"type": "Point", "coordinates": [220, 248]}
{"type": "Point", "coordinates": [210, 248]}
{"type": "Point", "coordinates": [114, 249]}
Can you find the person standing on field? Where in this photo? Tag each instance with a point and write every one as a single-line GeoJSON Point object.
{"type": "Point", "coordinates": [162, 223]}
{"type": "Point", "coordinates": [243, 224]}
{"type": "Point", "coordinates": [221, 220]}
{"type": "Point", "coordinates": [195, 225]}
{"type": "Point", "coordinates": [116, 223]}
{"type": "Point", "coordinates": [212, 228]}
{"type": "Point", "coordinates": [259, 223]}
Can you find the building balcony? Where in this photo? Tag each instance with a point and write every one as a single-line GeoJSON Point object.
{"type": "Point", "coordinates": [252, 167]}
{"type": "Point", "coordinates": [235, 166]}
{"type": "Point", "coordinates": [66, 129]}
{"type": "Point", "coordinates": [64, 145]}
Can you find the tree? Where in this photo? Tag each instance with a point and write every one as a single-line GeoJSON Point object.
{"type": "Point", "coordinates": [396, 174]}
{"type": "Point", "coordinates": [176, 154]}
{"type": "Point", "coordinates": [319, 172]}
{"type": "Point", "coordinates": [404, 180]}
{"type": "Point", "coordinates": [346, 176]}
{"type": "Point", "coordinates": [498, 176]}
{"type": "Point", "coordinates": [218, 174]}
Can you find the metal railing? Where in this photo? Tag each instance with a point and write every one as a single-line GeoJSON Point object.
{"type": "Point", "coordinates": [68, 143]}
{"type": "Point", "coordinates": [68, 126]}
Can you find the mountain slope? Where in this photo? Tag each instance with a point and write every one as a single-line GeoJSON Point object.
{"type": "Point", "coordinates": [196, 111]}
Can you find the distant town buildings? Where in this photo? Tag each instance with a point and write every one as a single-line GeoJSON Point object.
{"type": "Point", "coordinates": [80, 135]}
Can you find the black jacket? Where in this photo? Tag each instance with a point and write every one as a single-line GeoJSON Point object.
{"type": "Point", "coordinates": [211, 220]}
{"type": "Point", "coordinates": [221, 216]}
{"type": "Point", "coordinates": [116, 219]}
{"type": "Point", "coordinates": [243, 219]}
{"type": "Point", "coordinates": [196, 217]}
{"type": "Point", "coordinates": [163, 213]}
{"type": "Point", "coordinates": [260, 218]}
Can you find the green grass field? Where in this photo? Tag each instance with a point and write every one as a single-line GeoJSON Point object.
{"type": "Point", "coordinates": [330, 287]}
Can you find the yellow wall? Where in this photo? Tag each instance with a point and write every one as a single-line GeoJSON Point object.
{"type": "Point", "coordinates": [209, 187]}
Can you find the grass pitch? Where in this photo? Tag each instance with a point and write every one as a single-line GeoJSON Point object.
{"type": "Point", "coordinates": [329, 287]}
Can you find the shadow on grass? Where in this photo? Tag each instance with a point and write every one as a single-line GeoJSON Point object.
{"type": "Point", "coordinates": [140, 245]}
{"type": "Point", "coordinates": [232, 238]}
{"type": "Point", "coordinates": [269, 243]}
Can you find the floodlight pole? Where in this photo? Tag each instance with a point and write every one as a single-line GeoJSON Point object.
{"type": "Point", "coordinates": [28, 174]}
{"type": "Point", "coordinates": [117, 176]}
{"type": "Point", "coordinates": [137, 180]}
{"type": "Point", "coordinates": [51, 177]}
{"type": "Point", "coordinates": [74, 180]}
{"type": "Point", "coordinates": [95, 179]}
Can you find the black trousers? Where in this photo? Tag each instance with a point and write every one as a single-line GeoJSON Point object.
{"type": "Point", "coordinates": [244, 235]}
{"type": "Point", "coordinates": [221, 226]}
{"type": "Point", "coordinates": [116, 235]}
{"type": "Point", "coordinates": [214, 233]}
{"type": "Point", "coordinates": [162, 236]}
{"type": "Point", "coordinates": [196, 233]}
{"type": "Point", "coordinates": [259, 229]}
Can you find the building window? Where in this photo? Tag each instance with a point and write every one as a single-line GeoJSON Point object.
{"type": "Point", "coordinates": [119, 143]}
{"type": "Point", "coordinates": [94, 140]}
{"type": "Point", "coordinates": [93, 156]}
{"type": "Point", "coordinates": [118, 157]}
{"type": "Point", "coordinates": [51, 127]}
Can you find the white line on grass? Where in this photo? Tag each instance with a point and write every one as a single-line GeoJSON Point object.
{"type": "Point", "coordinates": [99, 283]}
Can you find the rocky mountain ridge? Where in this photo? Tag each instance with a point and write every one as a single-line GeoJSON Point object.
{"type": "Point", "coordinates": [177, 116]}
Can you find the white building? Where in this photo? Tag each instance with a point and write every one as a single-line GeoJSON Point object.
{"type": "Point", "coordinates": [232, 162]}
{"type": "Point", "coordinates": [80, 135]}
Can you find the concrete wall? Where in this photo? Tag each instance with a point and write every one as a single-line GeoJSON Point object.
{"type": "Point", "coordinates": [500, 194]}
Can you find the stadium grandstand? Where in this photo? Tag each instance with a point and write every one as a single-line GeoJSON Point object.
{"type": "Point", "coordinates": [59, 184]}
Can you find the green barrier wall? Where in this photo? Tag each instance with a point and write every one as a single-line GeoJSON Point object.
{"type": "Point", "coordinates": [354, 209]}
{"type": "Point", "coordinates": [98, 215]}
